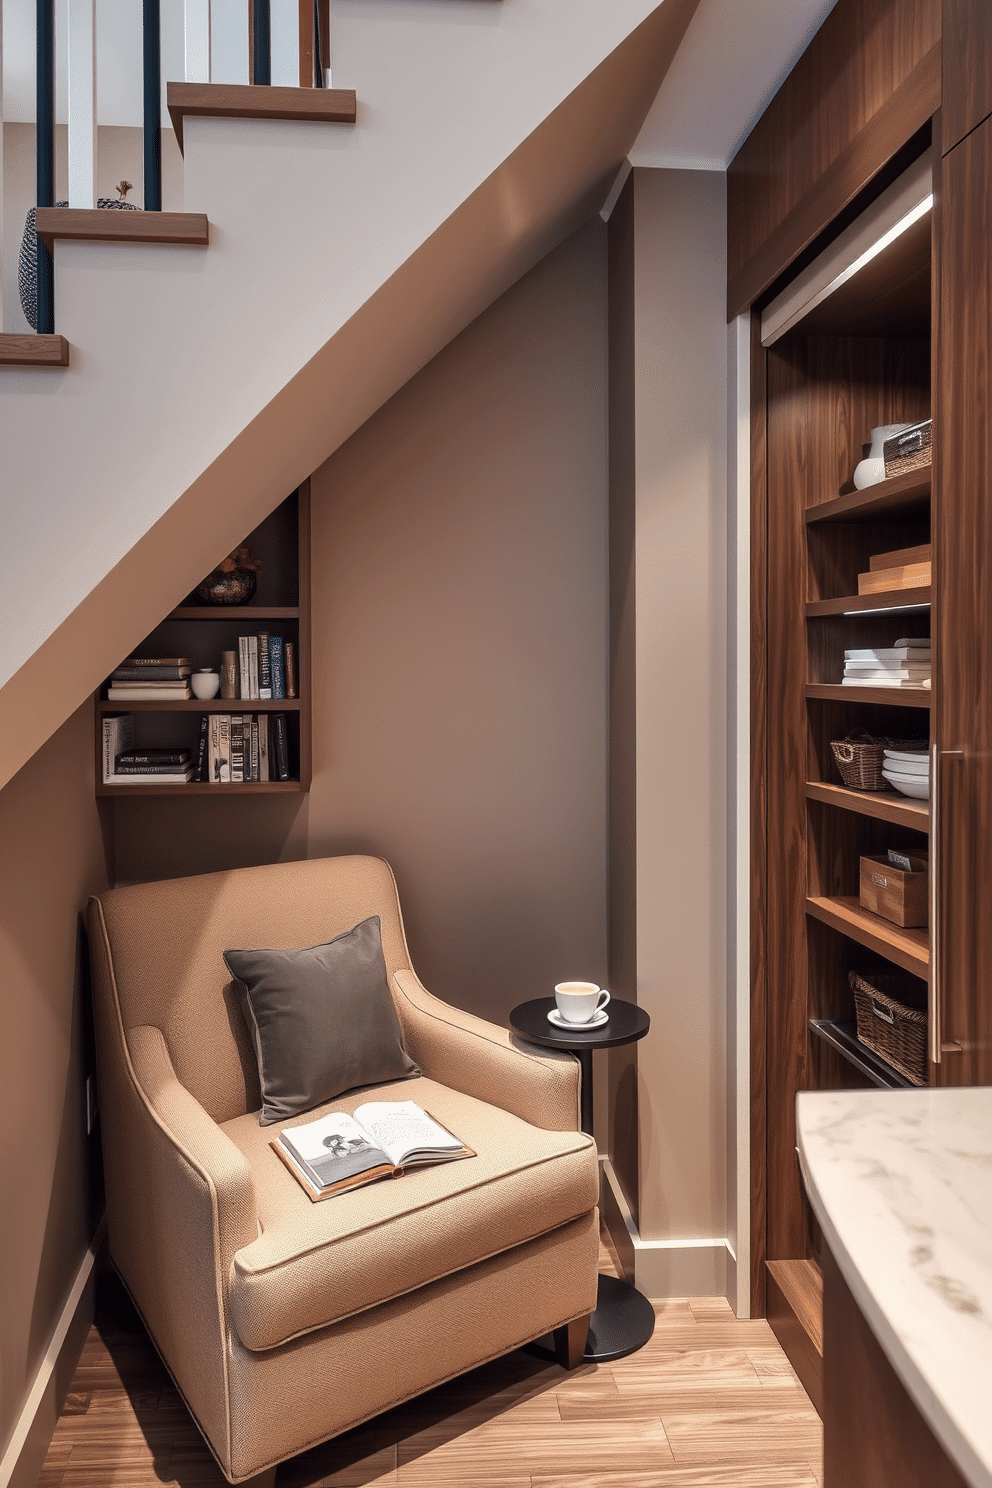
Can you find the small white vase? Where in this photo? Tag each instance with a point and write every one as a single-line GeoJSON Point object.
{"type": "Point", "coordinates": [205, 684]}
{"type": "Point", "coordinates": [872, 469]}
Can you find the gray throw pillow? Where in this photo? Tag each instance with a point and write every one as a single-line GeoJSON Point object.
{"type": "Point", "coordinates": [321, 1019]}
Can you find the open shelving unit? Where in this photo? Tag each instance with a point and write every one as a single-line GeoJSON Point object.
{"type": "Point", "coordinates": [281, 606]}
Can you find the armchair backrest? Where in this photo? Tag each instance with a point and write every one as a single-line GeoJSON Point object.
{"type": "Point", "coordinates": [160, 960]}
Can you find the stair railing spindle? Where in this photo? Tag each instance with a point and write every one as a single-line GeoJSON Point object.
{"type": "Point", "coordinates": [45, 154]}
{"type": "Point", "coordinates": [152, 50]}
{"type": "Point", "coordinates": [261, 43]}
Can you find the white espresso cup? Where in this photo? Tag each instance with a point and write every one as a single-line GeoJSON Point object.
{"type": "Point", "coordinates": [579, 1002]}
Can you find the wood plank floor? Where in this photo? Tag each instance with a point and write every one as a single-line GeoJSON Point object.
{"type": "Point", "coordinates": [710, 1402]}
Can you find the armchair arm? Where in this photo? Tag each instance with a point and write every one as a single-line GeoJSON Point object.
{"type": "Point", "coordinates": [478, 1058]}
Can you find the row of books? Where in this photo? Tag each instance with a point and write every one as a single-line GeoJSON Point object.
{"type": "Point", "coordinates": [266, 667]}
{"type": "Point", "coordinates": [231, 748]}
{"type": "Point", "coordinates": [906, 664]}
{"type": "Point", "coordinates": [142, 679]}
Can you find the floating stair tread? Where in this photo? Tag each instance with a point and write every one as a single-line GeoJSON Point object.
{"type": "Point", "coordinates": [844, 1038]}
{"type": "Point", "coordinates": [33, 351]}
{"type": "Point", "coordinates": [896, 697]}
{"type": "Point", "coordinates": [882, 805]}
{"type": "Point", "coordinates": [102, 225]}
{"type": "Point", "coordinates": [909, 949]}
{"type": "Point", "coordinates": [903, 496]}
{"type": "Point", "coordinates": [883, 599]}
{"type": "Point", "coordinates": [251, 101]}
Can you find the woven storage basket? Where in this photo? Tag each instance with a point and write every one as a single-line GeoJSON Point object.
{"type": "Point", "coordinates": [860, 759]}
{"type": "Point", "coordinates": [912, 449]}
{"type": "Point", "coordinates": [892, 1019]}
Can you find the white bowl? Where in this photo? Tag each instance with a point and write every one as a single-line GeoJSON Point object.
{"type": "Point", "coordinates": [909, 785]}
{"type": "Point", "coordinates": [907, 765]}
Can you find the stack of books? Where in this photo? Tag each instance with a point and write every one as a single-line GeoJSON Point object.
{"type": "Point", "coordinates": [906, 664]}
{"type": "Point", "coordinates": [153, 767]}
{"type": "Point", "coordinates": [266, 666]}
{"type": "Point", "coordinates": [906, 568]}
{"type": "Point", "coordinates": [236, 748]}
{"type": "Point", "coordinates": [143, 679]}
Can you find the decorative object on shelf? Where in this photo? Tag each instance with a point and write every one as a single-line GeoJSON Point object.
{"type": "Point", "coordinates": [229, 675]}
{"type": "Point", "coordinates": [891, 1009]}
{"type": "Point", "coordinates": [897, 894]}
{"type": "Point", "coordinates": [205, 683]}
{"type": "Point", "coordinates": [27, 262]}
{"type": "Point", "coordinates": [232, 582]}
{"type": "Point", "coordinates": [871, 469]}
{"type": "Point", "coordinates": [910, 450]}
{"type": "Point", "coordinates": [861, 758]}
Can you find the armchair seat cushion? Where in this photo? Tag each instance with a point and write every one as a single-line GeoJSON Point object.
{"type": "Point", "coordinates": [314, 1264]}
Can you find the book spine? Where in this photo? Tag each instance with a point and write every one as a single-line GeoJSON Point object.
{"type": "Point", "coordinates": [263, 746]}
{"type": "Point", "coordinates": [254, 747]}
{"type": "Point", "coordinates": [118, 737]}
{"type": "Point", "coordinates": [214, 776]}
{"type": "Point", "coordinates": [152, 770]}
{"type": "Point", "coordinates": [150, 674]}
{"type": "Point", "coordinates": [264, 669]}
{"type": "Point", "coordinates": [275, 658]}
{"type": "Point", "coordinates": [253, 666]}
{"type": "Point", "coordinates": [289, 666]}
{"type": "Point", "coordinates": [244, 680]}
{"type": "Point", "coordinates": [156, 661]}
{"type": "Point", "coordinates": [134, 694]}
{"type": "Point", "coordinates": [202, 747]}
{"type": "Point", "coordinates": [224, 748]}
{"type": "Point", "coordinates": [281, 745]}
{"type": "Point", "coordinates": [237, 749]}
{"type": "Point", "coordinates": [157, 757]}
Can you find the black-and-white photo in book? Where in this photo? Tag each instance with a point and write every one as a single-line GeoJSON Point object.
{"type": "Point", "coordinates": [381, 1140]}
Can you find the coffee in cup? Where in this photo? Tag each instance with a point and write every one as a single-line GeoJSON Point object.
{"type": "Point", "coordinates": [579, 1002]}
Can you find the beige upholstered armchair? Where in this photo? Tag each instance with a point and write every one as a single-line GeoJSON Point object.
{"type": "Point", "coordinates": [282, 1321]}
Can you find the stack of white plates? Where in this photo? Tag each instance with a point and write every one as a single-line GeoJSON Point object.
{"type": "Point", "coordinates": [908, 773]}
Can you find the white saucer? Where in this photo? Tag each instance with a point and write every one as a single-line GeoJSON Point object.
{"type": "Point", "coordinates": [556, 1018]}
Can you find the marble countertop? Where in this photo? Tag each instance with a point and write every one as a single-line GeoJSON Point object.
{"type": "Point", "coordinates": [901, 1183]}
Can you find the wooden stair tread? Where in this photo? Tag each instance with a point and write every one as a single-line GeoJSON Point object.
{"type": "Point", "coordinates": [252, 101]}
{"type": "Point", "coordinates": [30, 350]}
{"type": "Point", "coordinates": [103, 225]}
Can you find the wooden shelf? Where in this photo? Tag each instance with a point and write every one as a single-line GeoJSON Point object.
{"type": "Point", "coordinates": [235, 612]}
{"type": "Point", "coordinates": [896, 697]}
{"type": "Point", "coordinates": [844, 1038]}
{"type": "Point", "coordinates": [104, 225]}
{"type": "Point", "coordinates": [890, 601]}
{"type": "Point", "coordinates": [909, 949]}
{"type": "Point", "coordinates": [883, 805]}
{"type": "Point", "coordinates": [903, 498]}
{"type": "Point", "coordinates": [33, 351]}
{"type": "Point", "coordinates": [251, 101]}
{"type": "Point", "coordinates": [205, 788]}
{"type": "Point", "coordinates": [203, 705]}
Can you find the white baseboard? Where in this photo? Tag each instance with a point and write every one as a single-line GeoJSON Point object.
{"type": "Point", "coordinates": [672, 1268]}
{"type": "Point", "coordinates": [28, 1444]}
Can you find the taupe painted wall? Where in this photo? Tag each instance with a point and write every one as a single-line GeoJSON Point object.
{"type": "Point", "coordinates": [459, 604]}
{"type": "Point", "coordinates": [52, 855]}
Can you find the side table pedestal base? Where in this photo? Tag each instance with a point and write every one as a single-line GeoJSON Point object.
{"type": "Point", "coordinates": [622, 1323]}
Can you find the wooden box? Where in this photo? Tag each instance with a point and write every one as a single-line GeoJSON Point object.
{"type": "Point", "coordinates": [896, 895]}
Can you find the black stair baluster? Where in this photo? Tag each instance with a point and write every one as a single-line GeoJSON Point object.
{"type": "Point", "coordinates": [261, 58]}
{"type": "Point", "coordinates": [45, 155]}
{"type": "Point", "coordinates": [152, 60]}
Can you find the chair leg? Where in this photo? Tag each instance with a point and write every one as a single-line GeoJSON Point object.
{"type": "Point", "coordinates": [570, 1342]}
{"type": "Point", "coordinates": [266, 1479]}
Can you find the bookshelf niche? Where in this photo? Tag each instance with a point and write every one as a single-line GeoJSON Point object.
{"type": "Point", "coordinates": [280, 606]}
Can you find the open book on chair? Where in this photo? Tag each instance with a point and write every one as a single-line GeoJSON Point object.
{"type": "Point", "coordinates": [381, 1140]}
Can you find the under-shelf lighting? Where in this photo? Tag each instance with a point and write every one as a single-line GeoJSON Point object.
{"type": "Point", "coordinates": [886, 219]}
{"type": "Point", "coordinates": [890, 609]}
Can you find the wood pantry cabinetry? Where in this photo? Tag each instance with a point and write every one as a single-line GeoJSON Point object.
{"type": "Point", "coordinates": [281, 606]}
{"type": "Point", "coordinates": [908, 336]}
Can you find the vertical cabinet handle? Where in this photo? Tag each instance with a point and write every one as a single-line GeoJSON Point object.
{"type": "Point", "coordinates": [934, 1029]}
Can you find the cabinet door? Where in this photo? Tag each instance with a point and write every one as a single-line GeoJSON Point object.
{"type": "Point", "coordinates": [966, 68]}
{"type": "Point", "coordinates": [963, 614]}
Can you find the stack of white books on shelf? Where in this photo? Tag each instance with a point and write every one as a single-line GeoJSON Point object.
{"type": "Point", "coordinates": [151, 679]}
{"type": "Point", "coordinates": [906, 664]}
{"type": "Point", "coordinates": [908, 772]}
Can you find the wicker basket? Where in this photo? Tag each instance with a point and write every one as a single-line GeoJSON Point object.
{"type": "Point", "coordinates": [860, 759]}
{"type": "Point", "coordinates": [892, 1019]}
{"type": "Point", "coordinates": [912, 449]}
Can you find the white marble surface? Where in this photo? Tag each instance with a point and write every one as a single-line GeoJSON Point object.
{"type": "Point", "coordinates": [901, 1182]}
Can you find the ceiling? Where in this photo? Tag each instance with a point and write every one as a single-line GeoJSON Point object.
{"type": "Point", "coordinates": [734, 56]}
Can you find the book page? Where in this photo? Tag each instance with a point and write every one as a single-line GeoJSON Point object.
{"type": "Point", "coordinates": [403, 1130]}
{"type": "Point", "coordinates": [334, 1148]}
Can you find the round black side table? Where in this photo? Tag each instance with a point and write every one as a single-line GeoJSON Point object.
{"type": "Point", "coordinates": [624, 1319]}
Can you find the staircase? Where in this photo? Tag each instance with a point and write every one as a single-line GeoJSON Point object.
{"type": "Point", "coordinates": [203, 383]}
